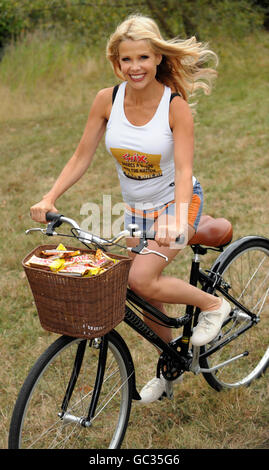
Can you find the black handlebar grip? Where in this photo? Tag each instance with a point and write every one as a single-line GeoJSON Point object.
{"type": "Point", "coordinates": [53, 216]}
{"type": "Point", "coordinates": [180, 239]}
{"type": "Point", "coordinates": [54, 219]}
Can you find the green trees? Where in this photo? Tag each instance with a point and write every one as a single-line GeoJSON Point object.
{"type": "Point", "coordinates": [92, 20]}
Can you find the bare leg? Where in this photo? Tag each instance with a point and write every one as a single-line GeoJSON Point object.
{"type": "Point", "coordinates": [147, 280]}
{"type": "Point", "coordinates": [163, 331]}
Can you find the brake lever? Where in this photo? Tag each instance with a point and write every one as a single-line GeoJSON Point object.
{"type": "Point", "coordinates": [35, 229]}
{"type": "Point", "coordinates": [142, 247]}
{"type": "Point", "coordinates": [154, 252]}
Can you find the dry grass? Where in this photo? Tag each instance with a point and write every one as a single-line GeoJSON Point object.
{"type": "Point", "coordinates": [44, 106]}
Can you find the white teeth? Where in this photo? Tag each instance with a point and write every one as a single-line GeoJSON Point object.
{"type": "Point", "coordinates": [137, 77]}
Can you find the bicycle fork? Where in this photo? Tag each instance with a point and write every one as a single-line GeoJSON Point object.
{"type": "Point", "coordinates": [67, 417]}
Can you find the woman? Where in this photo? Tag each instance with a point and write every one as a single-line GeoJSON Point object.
{"type": "Point", "coordinates": [149, 132]}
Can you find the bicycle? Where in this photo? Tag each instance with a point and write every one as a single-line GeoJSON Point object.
{"type": "Point", "coordinates": [79, 392]}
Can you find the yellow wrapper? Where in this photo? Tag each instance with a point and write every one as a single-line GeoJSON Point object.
{"type": "Point", "coordinates": [61, 247]}
{"type": "Point", "coordinates": [94, 272]}
{"type": "Point", "coordinates": [99, 254]}
{"type": "Point", "coordinates": [110, 259]}
{"type": "Point", "coordinates": [57, 264]}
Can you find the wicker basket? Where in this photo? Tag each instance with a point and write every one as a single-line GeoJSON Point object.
{"type": "Point", "coordinates": [79, 306]}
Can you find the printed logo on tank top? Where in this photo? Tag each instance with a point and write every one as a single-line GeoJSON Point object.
{"type": "Point", "coordinates": [138, 165]}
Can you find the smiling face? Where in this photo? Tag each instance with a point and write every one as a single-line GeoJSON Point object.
{"type": "Point", "coordinates": [138, 62]}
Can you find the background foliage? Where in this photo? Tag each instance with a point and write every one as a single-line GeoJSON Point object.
{"type": "Point", "coordinates": [88, 20]}
{"type": "Point", "coordinates": [46, 87]}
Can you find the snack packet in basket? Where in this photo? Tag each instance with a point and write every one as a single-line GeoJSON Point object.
{"type": "Point", "coordinates": [57, 264]}
{"type": "Point", "coordinates": [36, 261]}
{"type": "Point", "coordinates": [72, 262]}
{"type": "Point", "coordinates": [60, 253]}
{"type": "Point", "coordinates": [91, 260]}
{"type": "Point", "coordinates": [75, 270]}
{"type": "Point", "coordinates": [80, 270]}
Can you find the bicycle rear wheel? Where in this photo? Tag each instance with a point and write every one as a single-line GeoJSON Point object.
{"type": "Point", "coordinates": [36, 423]}
{"type": "Point", "coordinates": [246, 269]}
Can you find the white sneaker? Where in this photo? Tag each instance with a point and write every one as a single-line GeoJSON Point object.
{"type": "Point", "coordinates": [209, 324]}
{"type": "Point", "coordinates": [155, 388]}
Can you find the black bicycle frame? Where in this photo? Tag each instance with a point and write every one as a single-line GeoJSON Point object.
{"type": "Point", "coordinates": [211, 282]}
{"type": "Point", "coordinates": [99, 379]}
{"type": "Point", "coordinates": [102, 346]}
{"type": "Point", "coordinates": [74, 375]}
{"type": "Point", "coordinates": [182, 357]}
{"type": "Point", "coordinates": [190, 318]}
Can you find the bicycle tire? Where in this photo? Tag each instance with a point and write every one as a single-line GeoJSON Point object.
{"type": "Point", "coordinates": [245, 266]}
{"type": "Point", "coordinates": [35, 422]}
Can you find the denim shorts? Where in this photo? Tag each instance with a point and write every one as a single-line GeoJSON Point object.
{"type": "Point", "coordinates": [146, 218]}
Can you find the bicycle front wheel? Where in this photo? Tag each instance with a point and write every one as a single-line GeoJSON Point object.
{"type": "Point", "coordinates": [246, 269]}
{"type": "Point", "coordinates": [36, 420]}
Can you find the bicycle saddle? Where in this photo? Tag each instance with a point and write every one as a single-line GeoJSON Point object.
{"type": "Point", "coordinates": [212, 232]}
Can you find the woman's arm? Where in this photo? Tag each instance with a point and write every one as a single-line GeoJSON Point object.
{"type": "Point", "coordinates": [81, 159]}
{"type": "Point", "coordinates": [183, 133]}
{"type": "Point", "coordinates": [181, 123]}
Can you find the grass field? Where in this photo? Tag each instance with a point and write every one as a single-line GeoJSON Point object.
{"type": "Point", "coordinates": [46, 88]}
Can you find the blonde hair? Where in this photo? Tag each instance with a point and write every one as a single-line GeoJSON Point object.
{"type": "Point", "coordinates": [183, 61]}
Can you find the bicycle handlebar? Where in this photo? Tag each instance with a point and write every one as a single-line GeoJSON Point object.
{"type": "Point", "coordinates": [53, 216]}
{"type": "Point", "coordinates": [57, 219]}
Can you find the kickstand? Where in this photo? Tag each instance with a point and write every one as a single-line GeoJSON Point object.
{"type": "Point", "coordinates": [169, 389]}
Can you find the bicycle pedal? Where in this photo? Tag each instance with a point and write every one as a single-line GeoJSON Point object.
{"type": "Point", "coordinates": [216, 339]}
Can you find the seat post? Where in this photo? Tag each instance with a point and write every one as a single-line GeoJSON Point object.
{"type": "Point", "coordinates": [194, 276]}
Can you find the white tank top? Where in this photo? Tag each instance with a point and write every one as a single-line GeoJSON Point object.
{"type": "Point", "coordinates": [144, 155]}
